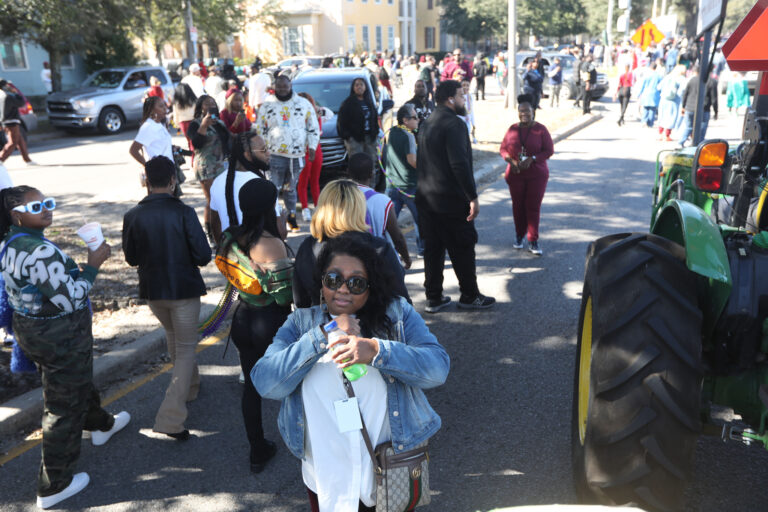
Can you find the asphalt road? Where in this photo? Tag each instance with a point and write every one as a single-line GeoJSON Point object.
{"type": "Point", "coordinates": [506, 406]}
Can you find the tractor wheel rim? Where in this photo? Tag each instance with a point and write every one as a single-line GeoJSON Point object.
{"type": "Point", "coordinates": [112, 121]}
{"type": "Point", "coordinates": [585, 364]}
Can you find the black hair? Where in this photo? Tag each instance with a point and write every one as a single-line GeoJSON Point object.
{"type": "Point", "coordinates": [10, 198]}
{"type": "Point", "coordinates": [373, 315]}
{"type": "Point", "coordinates": [149, 105]}
{"type": "Point", "coordinates": [360, 167]}
{"type": "Point", "coordinates": [446, 89]}
{"type": "Point", "coordinates": [199, 105]}
{"type": "Point", "coordinates": [283, 76]}
{"type": "Point", "coordinates": [184, 96]}
{"type": "Point", "coordinates": [240, 144]}
{"type": "Point", "coordinates": [253, 226]}
{"type": "Point", "coordinates": [159, 171]}
{"type": "Point", "coordinates": [525, 98]}
{"type": "Point", "coordinates": [366, 95]}
{"type": "Point", "coordinates": [403, 112]}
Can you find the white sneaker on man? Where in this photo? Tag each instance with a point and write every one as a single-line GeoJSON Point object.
{"type": "Point", "coordinates": [98, 437]}
{"type": "Point", "coordinates": [79, 482]}
{"type": "Point", "coordinates": [306, 214]}
{"type": "Point", "coordinates": [32, 163]}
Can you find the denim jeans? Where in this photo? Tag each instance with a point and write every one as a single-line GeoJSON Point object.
{"type": "Point", "coordinates": [687, 127]}
{"type": "Point", "coordinates": [649, 115]}
{"type": "Point", "coordinates": [285, 171]}
{"type": "Point", "coordinates": [398, 200]}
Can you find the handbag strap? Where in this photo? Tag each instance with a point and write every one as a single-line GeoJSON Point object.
{"type": "Point", "coordinates": [366, 437]}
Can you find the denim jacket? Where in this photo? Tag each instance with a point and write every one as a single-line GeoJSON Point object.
{"type": "Point", "coordinates": [411, 362]}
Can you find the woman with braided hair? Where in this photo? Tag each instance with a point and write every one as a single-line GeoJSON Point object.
{"type": "Point", "coordinates": [263, 278]}
{"type": "Point", "coordinates": [52, 324]}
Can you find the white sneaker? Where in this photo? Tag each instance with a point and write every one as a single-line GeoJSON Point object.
{"type": "Point", "coordinates": [306, 214]}
{"type": "Point", "coordinates": [98, 437]}
{"type": "Point", "coordinates": [241, 378]}
{"type": "Point", "coordinates": [32, 163]}
{"type": "Point", "coordinates": [79, 482]}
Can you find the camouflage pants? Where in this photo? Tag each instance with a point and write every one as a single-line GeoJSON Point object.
{"type": "Point", "coordinates": [62, 349]}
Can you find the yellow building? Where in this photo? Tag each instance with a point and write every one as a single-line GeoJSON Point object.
{"type": "Point", "coordinates": [316, 27]}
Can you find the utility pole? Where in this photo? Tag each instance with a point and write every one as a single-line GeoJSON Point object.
{"type": "Point", "coordinates": [609, 36]}
{"type": "Point", "coordinates": [511, 100]}
{"type": "Point", "coordinates": [191, 50]}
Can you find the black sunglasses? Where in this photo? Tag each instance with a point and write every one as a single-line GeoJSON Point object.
{"type": "Point", "coordinates": [355, 285]}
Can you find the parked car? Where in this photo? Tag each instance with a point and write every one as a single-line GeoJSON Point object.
{"type": "Point", "coordinates": [109, 99]}
{"type": "Point", "coordinates": [27, 113]}
{"type": "Point", "coordinates": [569, 90]}
{"type": "Point", "coordinates": [329, 87]}
{"type": "Point", "coordinates": [297, 64]}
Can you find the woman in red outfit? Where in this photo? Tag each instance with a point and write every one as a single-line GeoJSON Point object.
{"type": "Point", "coordinates": [233, 115]}
{"type": "Point", "coordinates": [310, 175]}
{"type": "Point", "coordinates": [624, 91]}
{"type": "Point", "coordinates": [526, 148]}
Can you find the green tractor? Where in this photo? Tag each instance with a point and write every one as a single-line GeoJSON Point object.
{"type": "Point", "coordinates": [674, 322]}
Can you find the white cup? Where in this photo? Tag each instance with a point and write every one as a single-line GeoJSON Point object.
{"type": "Point", "coordinates": [91, 235]}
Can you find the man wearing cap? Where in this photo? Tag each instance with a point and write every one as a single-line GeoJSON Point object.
{"type": "Point", "coordinates": [194, 80]}
{"type": "Point", "coordinates": [457, 63]}
{"type": "Point", "coordinates": [289, 125]}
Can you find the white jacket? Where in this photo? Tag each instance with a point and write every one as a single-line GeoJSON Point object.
{"type": "Point", "coordinates": [289, 127]}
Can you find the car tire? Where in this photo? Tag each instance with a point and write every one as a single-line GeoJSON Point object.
{"type": "Point", "coordinates": [567, 92]}
{"type": "Point", "coordinates": [637, 384]}
{"type": "Point", "coordinates": [111, 121]}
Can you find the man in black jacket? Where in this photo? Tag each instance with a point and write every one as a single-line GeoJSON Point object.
{"type": "Point", "coordinates": [446, 199]}
{"type": "Point", "coordinates": [163, 236]}
{"type": "Point", "coordinates": [690, 99]}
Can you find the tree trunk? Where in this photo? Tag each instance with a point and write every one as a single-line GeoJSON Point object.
{"type": "Point", "coordinates": [159, 52]}
{"type": "Point", "coordinates": [55, 61]}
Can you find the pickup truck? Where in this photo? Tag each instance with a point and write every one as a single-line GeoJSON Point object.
{"type": "Point", "coordinates": [108, 99]}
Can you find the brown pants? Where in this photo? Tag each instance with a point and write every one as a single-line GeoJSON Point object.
{"type": "Point", "coordinates": [179, 319]}
{"type": "Point", "coordinates": [15, 140]}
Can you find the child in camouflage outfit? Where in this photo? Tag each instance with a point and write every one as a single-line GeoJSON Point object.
{"type": "Point", "coordinates": [52, 323]}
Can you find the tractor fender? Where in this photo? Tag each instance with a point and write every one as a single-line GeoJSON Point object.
{"type": "Point", "coordinates": [705, 254]}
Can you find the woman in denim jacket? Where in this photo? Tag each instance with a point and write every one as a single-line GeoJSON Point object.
{"type": "Point", "coordinates": [303, 369]}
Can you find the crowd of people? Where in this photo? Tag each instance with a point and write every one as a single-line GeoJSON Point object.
{"type": "Point", "coordinates": [350, 269]}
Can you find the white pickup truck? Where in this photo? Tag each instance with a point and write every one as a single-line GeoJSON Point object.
{"type": "Point", "coordinates": [108, 99]}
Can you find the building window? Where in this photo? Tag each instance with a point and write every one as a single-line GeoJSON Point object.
{"type": "Point", "coordinates": [68, 61]}
{"type": "Point", "coordinates": [293, 40]}
{"type": "Point", "coordinates": [13, 55]}
{"type": "Point", "coordinates": [391, 2]}
{"type": "Point", "coordinates": [366, 41]}
{"type": "Point", "coordinates": [351, 37]}
{"type": "Point", "coordinates": [377, 1]}
{"type": "Point", "coordinates": [379, 38]}
{"type": "Point", "coordinates": [429, 37]}
{"type": "Point", "coordinates": [429, 4]}
{"type": "Point", "coordinates": [391, 38]}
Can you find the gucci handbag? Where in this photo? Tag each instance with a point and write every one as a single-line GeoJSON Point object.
{"type": "Point", "coordinates": [402, 479]}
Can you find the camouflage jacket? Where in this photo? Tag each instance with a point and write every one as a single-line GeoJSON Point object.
{"type": "Point", "coordinates": [41, 280]}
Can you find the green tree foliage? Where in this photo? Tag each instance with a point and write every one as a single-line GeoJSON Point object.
{"type": "Point", "coordinates": [475, 19]}
{"type": "Point", "coordinates": [115, 49]}
{"type": "Point", "coordinates": [736, 11]}
{"type": "Point", "coordinates": [158, 21]}
{"type": "Point", "coordinates": [61, 26]}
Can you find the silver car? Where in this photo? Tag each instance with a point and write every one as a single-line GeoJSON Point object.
{"type": "Point", "coordinates": [108, 99]}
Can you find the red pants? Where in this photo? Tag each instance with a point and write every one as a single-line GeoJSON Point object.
{"type": "Point", "coordinates": [15, 140]}
{"type": "Point", "coordinates": [527, 191]}
{"type": "Point", "coordinates": [310, 175]}
{"type": "Point", "coordinates": [184, 125]}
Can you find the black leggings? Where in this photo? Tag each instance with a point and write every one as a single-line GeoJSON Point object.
{"type": "Point", "coordinates": [253, 328]}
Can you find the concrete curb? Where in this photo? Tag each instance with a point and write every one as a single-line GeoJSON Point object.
{"type": "Point", "coordinates": [27, 409]}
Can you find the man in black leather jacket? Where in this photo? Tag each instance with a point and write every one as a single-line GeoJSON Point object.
{"type": "Point", "coordinates": [163, 236]}
{"type": "Point", "coordinates": [446, 199]}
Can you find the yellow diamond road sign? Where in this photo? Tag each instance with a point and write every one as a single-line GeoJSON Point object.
{"type": "Point", "coordinates": [647, 34]}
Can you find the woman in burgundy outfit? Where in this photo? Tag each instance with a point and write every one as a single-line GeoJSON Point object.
{"type": "Point", "coordinates": [526, 148]}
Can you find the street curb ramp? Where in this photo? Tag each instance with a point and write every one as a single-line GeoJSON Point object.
{"type": "Point", "coordinates": [27, 409]}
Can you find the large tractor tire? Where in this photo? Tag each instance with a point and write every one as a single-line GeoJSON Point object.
{"type": "Point", "coordinates": [637, 386]}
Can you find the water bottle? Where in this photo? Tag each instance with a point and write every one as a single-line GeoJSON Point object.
{"type": "Point", "coordinates": [354, 371]}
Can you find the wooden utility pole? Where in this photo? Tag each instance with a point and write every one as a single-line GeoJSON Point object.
{"type": "Point", "coordinates": [608, 55]}
{"type": "Point", "coordinates": [191, 50]}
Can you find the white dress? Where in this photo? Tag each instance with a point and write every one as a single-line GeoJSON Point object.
{"type": "Point", "coordinates": [337, 467]}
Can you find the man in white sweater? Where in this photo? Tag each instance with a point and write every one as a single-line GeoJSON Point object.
{"type": "Point", "coordinates": [289, 125]}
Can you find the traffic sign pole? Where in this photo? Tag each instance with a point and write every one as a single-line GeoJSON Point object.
{"type": "Point", "coordinates": [703, 68]}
